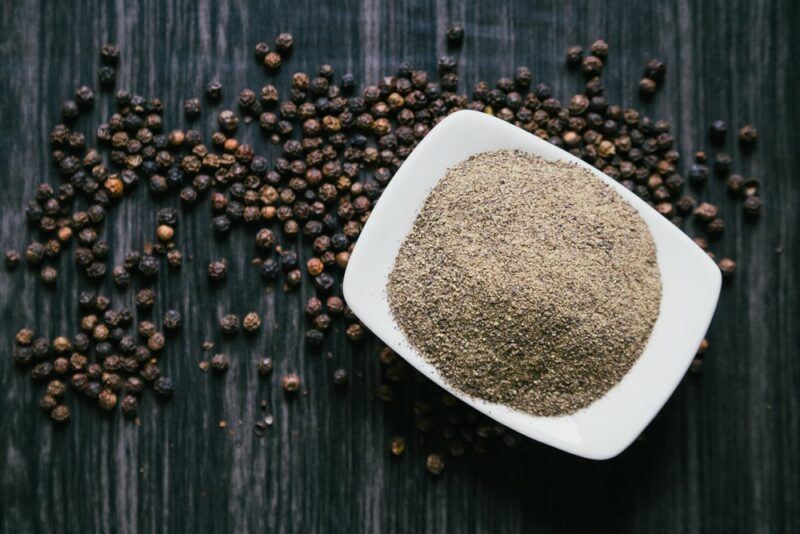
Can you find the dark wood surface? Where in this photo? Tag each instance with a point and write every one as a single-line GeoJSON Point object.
{"type": "Point", "coordinates": [721, 457]}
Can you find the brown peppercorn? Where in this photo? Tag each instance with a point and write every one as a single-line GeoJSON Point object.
{"type": "Point", "coordinates": [165, 232]}
{"type": "Point", "coordinates": [748, 135]}
{"type": "Point", "coordinates": [706, 212]}
{"type": "Point", "coordinates": [48, 402]}
{"type": "Point", "coordinates": [272, 61]}
{"type": "Point", "coordinates": [434, 463]}
{"type": "Point", "coordinates": [703, 346]}
{"type": "Point", "coordinates": [156, 342]}
{"type": "Point", "coordinates": [290, 383]}
{"type": "Point", "coordinates": [315, 266]}
{"type": "Point", "coordinates": [61, 345]}
{"type": "Point", "coordinates": [49, 275]}
{"type": "Point", "coordinates": [342, 259]}
{"type": "Point", "coordinates": [107, 399]}
{"type": "Point", "coordinates": [397, 446]}
{"type": "Point", "coordinates": [251, 322]}
{"type": "Point", "coordinates": [728, 267]}
{"type": "Point", "coordinates": [335, 305]}
{"type": "Point", "coordinates": [24, 337]}
{"type": "Point", "coordinates": [355, 332]}
{"type": "Point", "coordinates": [56, 388]}
{"type": "Point", "coordinates": [647, 87]}
{"type": "Point", "coordinates": [715, 226]}
{"type": "Point", "coordinates": [60, 414]}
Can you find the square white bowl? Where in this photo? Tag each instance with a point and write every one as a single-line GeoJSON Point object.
{"type": "Point", "coordinates": [690, 289]}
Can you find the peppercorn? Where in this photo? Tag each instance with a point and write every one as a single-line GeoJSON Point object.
{"type": "Point", "coordinates": [340, 377]}
{"type": "Point", "coordinates": [145, 298]}
{"type": "Point", "coordinates": [163, 387]}
{"type": "Point", "coordinates": [24, 337]}
{"type": "Point", "coordinates": [229, 323]}
{"type": "Point", "coordinates": [284, 42]}
{"type": "Point", "coordinates": [290, 383]}
{"type": "Point", "coordinates": [265, 239]}
{"type": "Point", "coordinates": [156, 341]}
{"type": "Point", "coordinates": [107, 399]}
{"type": "Point", "coordinates": [647, 87]}
{"type": "Point", "coordinates": [109, 53]}
{"type": "Point", "coordinates": [272, 61]}
{"type": "Point", "coordinates": [251, 322]}
{"type": "Point", "coordinates": [264, 366]}
{"type": "Point", "coordinates": [61, 345]}
{"type": "Point", "coordinates": [219, 362]}
{"type": "Point", "coordinates": [355, 332]}
{"type": "Point", "coordinates": [722, 163]}
{"type": "Point", "coordinates": [172, 320]}
{"type": "Point", "coordinates": [129, 405]}
{"type": "Point", "coordinates": [752, 205]}
{"type": "Point", "coordinates": [148, 265]}
{"type": "Point", "coordinates": [434, 463]}
{"type": "Point", "coordinates": [655, 70]}
{"type": "Point", "coordinates": [218, 270]}
{"type": "Point", "coordinates": [48, 402]}
{"type": "Point", "coordinates": [314, 266]}
{"type": "Point", "coordinates": [192, 107]}
{"type": "Point", "coordinates": [214, 90]}
{"type": "Point", "coordinates": [174, 259]}
{"type": "Point", "coordinates": [11, 258]}
{"type": "Point", "coordinates": [397, 446]}
{"type": "Point", "coordinates": [728, 267]}
{"type": "Point", "coordinates": [717, 132]}
{"type": "Point", "coordinates": [455, 33]}
{"type": "Point", "coordinates": [314, 337]}
{"type": "Point", "coordinates": [106, 76]}
{"type": "Point", "coordinates": [748, 135]}
{"type": "Point", "coordinates": [60, 414]}
{"type": "Point", "coordinates": [41, 370]}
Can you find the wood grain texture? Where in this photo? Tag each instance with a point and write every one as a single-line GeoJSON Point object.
{"type": "Point", "coordinates": [721, 457]}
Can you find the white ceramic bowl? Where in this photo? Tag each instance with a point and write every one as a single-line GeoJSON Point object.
{"type": "Point", "coordinates": [690, 288]}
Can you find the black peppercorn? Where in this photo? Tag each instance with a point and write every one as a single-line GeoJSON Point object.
{"type": "Point", "coordinates": [264, 366]}
{"type": "Point", "coordinates": [229, 323]}
{"type": "Point", "coordinates": [214, 90]}
{"type": "Point", "coordinates": [219, 362]}
{"type": "Point", "coordinates": [752, 205]}
{"type": "Point", "coordinates": [340, 377]}
{"type": "Point", "coordinates": [163, 387]}
{"type": "Point", "coordinates": [171, 320]}
{"type": "Point", "coordinates": [455, 33]}
{"type": "Point", "coordinates": [717, 132]}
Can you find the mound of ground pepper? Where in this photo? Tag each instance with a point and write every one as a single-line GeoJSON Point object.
{"type": "Point", "coordinates": [526, 282]}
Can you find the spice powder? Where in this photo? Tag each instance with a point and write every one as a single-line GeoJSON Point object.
{"type": "Point", "coordinates": [526, 282]}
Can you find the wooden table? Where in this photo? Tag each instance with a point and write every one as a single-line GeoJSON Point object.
{"type": "Point", "coordinates": [721, 457]}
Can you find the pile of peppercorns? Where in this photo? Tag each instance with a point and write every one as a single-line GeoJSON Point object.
{"type": "Point", "coordinates": [338, 150]}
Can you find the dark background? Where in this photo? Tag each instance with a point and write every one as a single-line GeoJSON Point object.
{"type": "Point", "coordinates": [721, 457]}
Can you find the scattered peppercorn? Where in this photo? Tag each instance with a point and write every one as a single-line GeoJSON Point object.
{"type": "Point", "coordinates": [397, 446]}
{"type": "Point", "coordinates": [229, 323]}
{"type": "Point", "coordinates": [60, 414]}
{"type": "Point", "coordinates": [220, 362]}
{"type": "Point", "coordinates": [251, 322]}
{"type": "Point", "coordinates": [264, 366]}
{"type": "Point", "coordinates": [748, 135]}
{"type": "Point", "coordinates": [290, 383]}
{"type": "Point", "coordinates": [11, 258]}
{"type": "Point", "coordinates": [455, 33]}
{"type": "Point", "coordinates": [434, 463]}
{"type": "Point", "coordinates": [340, 377]}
